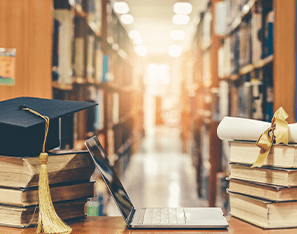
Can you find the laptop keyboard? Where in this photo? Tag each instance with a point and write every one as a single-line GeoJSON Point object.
{"type": "Point", "coordinates": [162, 216]}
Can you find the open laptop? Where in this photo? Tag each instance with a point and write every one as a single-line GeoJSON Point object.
{"type": "Point", "coordinates": [181, 217]}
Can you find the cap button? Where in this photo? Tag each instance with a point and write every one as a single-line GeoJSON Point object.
{"type": "Point", "coordinates": [22, 106]}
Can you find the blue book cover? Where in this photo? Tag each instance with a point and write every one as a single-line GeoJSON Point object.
{"type": "Point", "coordinates": [105, 68]}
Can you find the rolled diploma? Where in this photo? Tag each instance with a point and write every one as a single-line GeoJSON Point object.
{"type": "Point", "coordinates": [235, 128]}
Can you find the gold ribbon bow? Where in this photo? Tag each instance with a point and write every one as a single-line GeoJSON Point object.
{"type": "Point", "coordinates": [278, 132]}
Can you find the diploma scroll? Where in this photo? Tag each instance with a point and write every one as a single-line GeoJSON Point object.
{"type": "Point", "coordinates": [235, 128]}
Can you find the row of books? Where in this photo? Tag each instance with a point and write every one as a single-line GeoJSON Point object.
{"type": "Point", "coordinates": [78, 45]}
{"type": "Point", "coordinates": [248, 97]}
{"type": "Point", "coordinates": [249, 41]}
{"type": "Point", "coordinates": [69, 176]}
{"type": "Point", "coordinates": [266, 196]}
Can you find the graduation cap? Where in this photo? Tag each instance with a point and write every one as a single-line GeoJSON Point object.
{"type": "Point", "coordinates": [22, 133]}
{"type": "Point", "coordinates": [28, 127]}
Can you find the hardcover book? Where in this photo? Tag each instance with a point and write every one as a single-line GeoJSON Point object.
{"type": "Point", "coordinates": [263, 213]}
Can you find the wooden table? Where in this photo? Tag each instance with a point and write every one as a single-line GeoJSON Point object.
{"type": "Point", "coordinates": [116, 225]}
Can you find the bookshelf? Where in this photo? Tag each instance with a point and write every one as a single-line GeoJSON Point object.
{"type": "Point", "coordinates": [241, 72]}
{"type": "Point", "coordinates": [101, 67]}
{"type": "Point", "coordinates": [78, 50]}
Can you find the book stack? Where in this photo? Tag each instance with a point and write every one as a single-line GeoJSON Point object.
{"type": "Point", "coordinates": [69, 176]}
{"type": "Point", "coordinates": [266, 196]}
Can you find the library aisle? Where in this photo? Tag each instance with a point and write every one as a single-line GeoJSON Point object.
{"type": "Point", "coordinates": [159, 174]}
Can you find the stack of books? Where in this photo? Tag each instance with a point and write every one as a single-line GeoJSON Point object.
{"type": "Point", "coordinates": [266, 196]}
{"type": "Point", "coordinates": [69, 176]}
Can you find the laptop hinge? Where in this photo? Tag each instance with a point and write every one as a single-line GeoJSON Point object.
{"type": "Point", "coordinates": [130, 216]}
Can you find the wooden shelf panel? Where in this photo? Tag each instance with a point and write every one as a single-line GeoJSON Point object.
{"type": "Point", "coordinates": [250, 67]}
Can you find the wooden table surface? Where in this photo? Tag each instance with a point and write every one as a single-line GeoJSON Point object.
{"type": "Point", "coordinates": [116, 225]}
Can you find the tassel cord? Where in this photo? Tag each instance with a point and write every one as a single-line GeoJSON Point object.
{"type": "Point", "coordinates": [48, 220]}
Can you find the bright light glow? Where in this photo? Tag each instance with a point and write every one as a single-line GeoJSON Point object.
{"type": "Point", "coordinates": [174, 50]}
{"type": "Point", "coordinates": [181, 19]}
{"type": "Point", "coordinates": [174, 194]}
{"type": "Point", "coordinates": [138, 41]}
{"type": "Point", "coordinates": [182, 8]}
{"type": "Point", "coordinates": [158, 74]}
{"type": "Point", "coordinates": [134, 34]}
{"type": "Point", "coordinates": [246, 8]}
{"type": "Point", "coordinates": [115, 46]}
{"type": "Point", "coordinates": [127, 19]}
{"type": "Point", "coordinates": [141, 50]}
{"type": "Point", "coordinates": [121, 7]}
{"type": "Point", "coordinates": [177, 35]}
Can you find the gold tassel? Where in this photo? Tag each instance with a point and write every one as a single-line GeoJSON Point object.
{"type": "Point", "coordinates": [48, 220]}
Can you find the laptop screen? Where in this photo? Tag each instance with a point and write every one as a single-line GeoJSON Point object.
{"type": "Point", "coordinates": [109, 176]}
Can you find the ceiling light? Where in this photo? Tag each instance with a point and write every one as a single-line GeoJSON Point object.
{"type": "Point", "coordinates": [141, 50]}
{"type": "Point", "coordinates": [134, 34]}
{"type": "Point", "coordinates": [138, 41]}
{"type": "Point", "coordinates": [182, 8]}
{"type": "Point", "coordinates": [121, 7]}
{"type": "Point", "coordinates": [127, 19]}
{"type": "Point", "coordinates": [174, 50]}
{"type": "Point", "coordinates": [181, 19]}
{"type": "Point", "coordinates": [177, 35]}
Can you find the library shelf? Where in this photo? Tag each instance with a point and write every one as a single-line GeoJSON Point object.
{"type": "Point", "coordinates": [248, 84]}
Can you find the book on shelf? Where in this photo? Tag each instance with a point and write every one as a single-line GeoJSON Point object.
{"type": "Point", "coordinates": [90, 56]}
{"type": "Point", "coordinates": [99, 112]}
{"type": "Point", "coordinates": [91, 11]}
{"type": "Point", "coordinates": [79, 52]}
{"type": "Point", "coordinates": [245, 42]}
{"type": "Point", "coordinates": [244, 98]}
{"type": "Point", "coordinates": [105, 68]}
{"type": "Point", "coordinates": [63, 36]}
{"type": "Point", "coordinates": [269, 175]}
{"type": "Point", "coordinates": [55, 52]}
{"type": "Point", "coordinates": [263, 213]}
{"type": "Point", "coordinates": [257, 98]}
{"type": "Point", "coordinates": [98, 14]}
{"type": "Point", "coordinates": [91, 112]}
{"type": "Point", "coordinates": [235, 51]}
{"type": "Point", "coordinates": [62, 166]}
{"type": "Point", "coordinates": [227, 57]}
{"type": "Point", "coordinates": [98, 62]}
{"type": "Point", "coordinates": [22, 217]}
{"type": "Point", "coordinates": [206, 36]}
{"type": "Point", "coordinates": [67, 132]}
{"type": "Point", "coordinates": [263, 190]}
{"type": "Point", "coordinates": [109, 23]}
{"type": "Point", "coordinates": [221, 68]}
{"type": "Point", "coordinates": [246, 152]}
{"type": "Point", "coordinates": [206, 75]}
{"type": "Point", "coordinates": [234, 99]}
{"type": "Point", "coordinates": [23, 197]}
{"type": "Point", "coordinates": [267, 29]}
{"type": "Point", "coordinates": [268, 93]}
{"type": "Point", "coordinates": [115, 108]}
{"type": "Point", "coordinates": [256, 32]}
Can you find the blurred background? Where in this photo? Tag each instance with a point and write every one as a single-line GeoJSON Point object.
{"type": "Point", "coordinates": [164, 74]}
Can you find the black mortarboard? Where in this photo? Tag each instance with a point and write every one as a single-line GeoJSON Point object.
{"type": "Point", "coordinates": [22, 133]}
